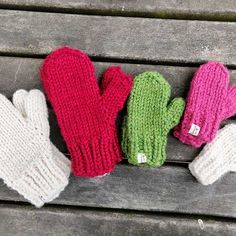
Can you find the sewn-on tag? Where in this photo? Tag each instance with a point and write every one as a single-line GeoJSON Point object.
{"type": "Point", "coordinates": [194, 130]}
{"type": "Point", "coordinates": [141, 157]}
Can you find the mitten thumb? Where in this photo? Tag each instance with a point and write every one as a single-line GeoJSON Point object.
{"type": "Point", "coordinates": [175, 111]}
{"type": "Point", "coordinates": [18, 101]}
{"type": "Point", "coordinates": [116, 86]}
{"type": "Point", "coordinates": [230, 106]}
{"type": "Point", "coordinates": [32, 106]}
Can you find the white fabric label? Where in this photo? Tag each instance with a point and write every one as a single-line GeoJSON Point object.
{"type": "Point", "coordinates": [141, 157]}
{"type": "Point", "coordinates": [194, 130]}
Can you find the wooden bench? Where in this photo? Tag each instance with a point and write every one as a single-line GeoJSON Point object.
{"type": "Point", "coordinates": [172, 37]}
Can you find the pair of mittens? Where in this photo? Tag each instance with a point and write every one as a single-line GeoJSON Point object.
{"type": "Point", "coordinates": [86, 113]}
{"type": "Point", "coordinates": [29, 162]}
{"type": "Point", "coordinates": [210, 100]}
{"type": "Point", "coordinates": [149, 119]}
{"type": "Point", "coordinates": [217, 158]}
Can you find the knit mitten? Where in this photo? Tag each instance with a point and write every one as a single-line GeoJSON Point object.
{"type": "Point", "coordinates": [210, 100]}
{"type": "Point", "coordinates": [26, 158]}
{"type": "Point", "coordinates": [149, 119]}
{"type": "Point", "coordinates": [217, 158]}
{"type": "Point", "coordinates": [32, 105]}
{"type": "Point", "coordinates": [86, 114]}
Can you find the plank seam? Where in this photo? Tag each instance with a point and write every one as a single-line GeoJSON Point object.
{"type": "Point", "coordinates": [21, 204]}
{"type": "Point", "coordinates": [181, 15]}
{"type": "Point", "coordinates": [118, 60]}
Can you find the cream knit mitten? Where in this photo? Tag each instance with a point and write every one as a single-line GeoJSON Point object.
{"type": "Point", "coordinates": [27, 107]}
{"type": "Point", "coordinates": [29, 163]}
{"type": "Point", "coordinates": [217, 158]}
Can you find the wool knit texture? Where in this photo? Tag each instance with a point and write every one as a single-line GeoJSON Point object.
{"type": "Point", "coordinates": [217, 158]}
{"type": "Point", "coordinates": [29, 163]}
{"type": "Point", "coordinates": [32, 105]}
{"type": "Point", "coordinates": [149, 119]}
{"type": "Point", "coordinates": [210, 100]}
{"type": "Point", "coordinates": [86, 114]}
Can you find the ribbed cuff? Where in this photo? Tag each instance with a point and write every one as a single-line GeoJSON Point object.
{"type": "Point", "coordinates": [61, 161]}
{"type": "Point", "coordinates": [42, 182]}
{"type": "Point", "coordinates": [96, 157]}
{"type": "Point", "coordinates": [217, 158]}
{"type": "Point", "coordinates": [198, 173]}
{"type": "Point", "coordinates": [147, 151]}
{"type": "Point", "coordinates": [188, 139]}
{"type": "Point", "coordinates": [209, 166]}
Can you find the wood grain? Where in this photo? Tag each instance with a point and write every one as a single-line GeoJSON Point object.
{"type": "Point", "coordinates": [202, 9]}
{"type": "Point", "coordinates": [18, 72]}
{"type": "Point", "coordinates": [123, 38]}
{"type": "Point", "coordinates": [165, 189]}
{"type": "Point", "coordinates": [52, 221]}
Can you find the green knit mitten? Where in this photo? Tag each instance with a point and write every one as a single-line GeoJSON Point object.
{"type": "Point", "coordinates": [149, 120]}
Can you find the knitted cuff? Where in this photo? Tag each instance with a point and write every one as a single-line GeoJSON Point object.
{"type": "Point", "coordinates": [95, 157]}
{"type": "Point", "coordinates": [207, 170]}
{"type": "Point", "coordinates": [61, 161]}
{"type": "Point", "coordinates": [42, 182]}
{"type": "Point", "coordinates": [217, 158]}
{"type": "Point", "coordinates": [187, 139]}
{"type": "Point", "coordinates": [147, 151]}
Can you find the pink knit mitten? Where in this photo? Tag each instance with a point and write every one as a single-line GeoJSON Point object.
{"type": "Point", "coordinates": [210, 100]}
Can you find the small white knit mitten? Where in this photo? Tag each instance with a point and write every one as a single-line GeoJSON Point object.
{"type": "Point", "coordinates": [217, 158]}
{"type": "Point", "coordinates": [28, 163]}
{"type": "Point", "coordinates": [26, 102]}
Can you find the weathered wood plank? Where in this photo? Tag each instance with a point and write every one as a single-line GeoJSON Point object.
{"type": "Point", "coordinates": [16, 73]}
{"type": "Point", "coordinates": [167, 189]}
{"type": "Point", "coordinates": [202, 9]}
{"type": "Point", "coordinates": [123, 38]}
{"type": "Point", "coordinates": [51, 221]}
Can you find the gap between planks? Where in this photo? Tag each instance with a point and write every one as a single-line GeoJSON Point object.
{"type": "Point", "coordinates": [173, 14]}
{"type": "Point", "coordinates": [74, 209]}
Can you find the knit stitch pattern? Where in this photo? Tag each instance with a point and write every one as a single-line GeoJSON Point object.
{"type": "Point", "coordinates": [86, 114]}
{"type": "Point", "coordinates": [217, 158]}
{"type": "Point", "coordinates": [210, 100]}
{"type": "Point", "coordinates": [28, 162]}
{"type": "Point", "coordinates": [32, 105]}
{"type": "Point", "coordinates": [149, 119]}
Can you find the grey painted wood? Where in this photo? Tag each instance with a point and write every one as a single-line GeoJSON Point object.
{"type": "Point", "coordinates": [207, 9]}
{"type": "Point", "coordinates": [123, 38]}
{"type": "Point", "coordinates": [166, 189]}
{"type": "Point", "coordinates": [50, 221]}
{"type": "Point", "coordinates": [17, 73]}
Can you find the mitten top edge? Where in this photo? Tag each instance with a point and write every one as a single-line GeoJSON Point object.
{"type": "Point", "coordinates": [154, 76]}
{"type": "Point", "coordinates": [212, 66]}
